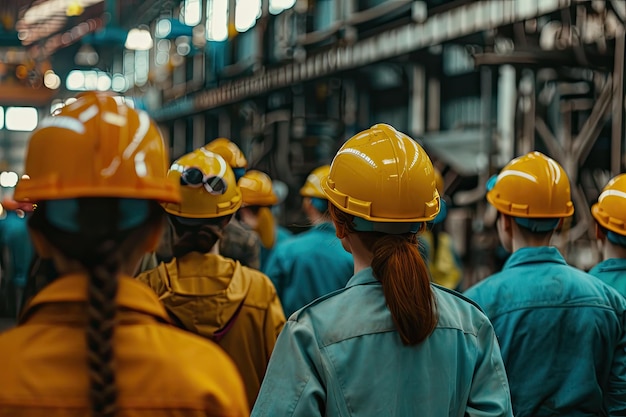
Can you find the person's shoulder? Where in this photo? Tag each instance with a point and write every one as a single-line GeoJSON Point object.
{"type": "Point", "coordinates": [326, 303]}
{"type": "Point", "coordinates": [198, 366]}
{"type": "Point", "coordinates": [485, 285]}
{"type": "Point", "coordinates": [455, 297]}
{"type": "Point", "coordinates": [260, 284]}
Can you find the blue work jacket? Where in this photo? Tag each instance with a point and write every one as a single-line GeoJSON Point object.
{"type": "Point", "coordinates": [282, 234]}
{"type": "Point", "coordinates": [307, 266]}
{"type": "Point", "coordinates": [561, 332]}
{"type": "Point", "coordinates": [612, 272]}
{"type": "Point", "coordinates": [342, 356]}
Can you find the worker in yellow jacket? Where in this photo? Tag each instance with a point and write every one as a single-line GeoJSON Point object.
{"type": "Point", "coordinates": [95, 342]}
{"type": "Point", "coordinates": [213, 296]}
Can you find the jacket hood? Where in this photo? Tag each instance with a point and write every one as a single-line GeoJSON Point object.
{"type": "Point", "coordinates": [205, 291]}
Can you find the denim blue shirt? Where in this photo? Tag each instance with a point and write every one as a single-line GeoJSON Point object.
{"type": "Point", "coordinates": [342, 356]}
{"type": "Point", "coordinates": [307, 266]}
{"type": "Point", "coordinates": [612, 272]}
{"type": "Point", "coordinates": [561, 332]}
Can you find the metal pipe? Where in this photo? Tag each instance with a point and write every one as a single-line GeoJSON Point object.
{"type": "Point", "coordinates": [617, 125]}
{"type": "Point", "coordinates": [591, 129]}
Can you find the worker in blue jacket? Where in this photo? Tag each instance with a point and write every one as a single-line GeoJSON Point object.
{"type": "Point", "coordinates": [313, 263]}
{"type": "Point", "coordinates": [561, 330]}
{"type": "Point", "coordinates": [390, 343]}
{"type": "Point", "coordinates": [610, 215]}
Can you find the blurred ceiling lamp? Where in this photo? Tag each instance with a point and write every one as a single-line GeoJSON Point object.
{"type": "Point", "coordinates": [246, 14]}
{"type": "Point", "coordinates": [138, 40]}
{"type": "Point", "coordinates": [8, 179]}
{"type": "Point", "coordinates": [277, 6]}
{"type": "Point", "coordinates": [75, 8]}
{"type": "Point", "coordinates": [217, 21]}
{"type": "Point", "coordinates": [171, 29]}
{"type": "Point", "coordinates": [86, 56]}
{"type": "Point", "coordinates": [51, 80]}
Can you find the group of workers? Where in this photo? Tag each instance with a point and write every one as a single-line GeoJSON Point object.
{"type": "Point", "coordinates": [174, 291]}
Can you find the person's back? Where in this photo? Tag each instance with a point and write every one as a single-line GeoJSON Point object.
{"type": "Point", "coordinates": [94, 341]}
{"type": "Point", "coordinates": [561, 330]}
{"type": "Point", "coordinates": [240, 243]}
{"type": "Point", "coordinates": [258, 198]}
{"type": "Point", "coordinates": [307, 266]}
{"type": "Point", "coordinates": [312, 263]}
{"type": "Point", "coordinates": [390, 343]}
{"type": "Point", "coordinates": [160, 370]}
{"type": "Point", "coordinates": [609, 213]}
{"type": "Point", "coordinates": [205, 293]}
{"type": "Point", "coordinates": [363, 369]}
{"type": "Point", "coordinates": [218, 298]}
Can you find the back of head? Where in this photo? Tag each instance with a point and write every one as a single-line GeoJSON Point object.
{"type": "Point", "coordinates": [381, 185]}
{"type": "Point", "coordinates": [610, 210]}
{"type": "Point", "coordinates": [209, 195]}
{"type": "Point", "coordinates": [97, 171]}
{"type": "Point", "coordinates": [258, 196]}
{"type": "Point", "coordinates": [534, 189]}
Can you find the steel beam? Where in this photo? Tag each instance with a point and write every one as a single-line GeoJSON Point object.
{"type": "Point", "coordinates": [443, 27]}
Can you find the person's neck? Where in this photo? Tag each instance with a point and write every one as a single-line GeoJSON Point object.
{"type": "Point", "coordinates": [522, 239]}
{"type": "Point", "coordinates": [611, 250]}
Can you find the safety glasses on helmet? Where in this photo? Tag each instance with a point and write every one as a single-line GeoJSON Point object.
{"type": "Point", "coordinates": [194, 177]}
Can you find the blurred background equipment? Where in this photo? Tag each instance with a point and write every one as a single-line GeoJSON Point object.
{"type": "Point", "coordinates": [476, 82]}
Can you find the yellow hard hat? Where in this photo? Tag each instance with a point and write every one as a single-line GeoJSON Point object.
{"type": "Point", "coordinates": [439, 181]}
{"type": "Point", "coordinates": [96, 147]}
{"type": "Point", "coordinates": [313, 184]}
{"type": "Point", "coordinates": [610, 210]}
{"type": "Point", "coordinates": [207, 185]}
{"type": "Point", "coordinates": [256, 189]}
{"type": "Point", "coordinates": [383, 175]}
{"type": "Point", "coordinates": [532, 186]}
{"type": "Point", "coordinates": [229, 151]}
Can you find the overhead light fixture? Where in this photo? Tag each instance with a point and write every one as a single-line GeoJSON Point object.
{"type": "Point", "coordinates": [51, 80]}
{"type": "Point", "coordinates": [138, 40]}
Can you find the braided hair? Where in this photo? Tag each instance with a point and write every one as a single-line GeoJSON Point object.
{"type": "Point", "coordinates": [100, 247]}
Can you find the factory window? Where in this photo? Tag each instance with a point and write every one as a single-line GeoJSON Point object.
{"type": "Point", "coordinates": [217, 20]}
{"type": "Point", "coordinates": [21, 118]}
{"type": "Point", "coordinates": [246, 14]}
{"type": "Point", "coordinates": [190, 12]}
{"type": "Point", "coordinates": [277, 6]}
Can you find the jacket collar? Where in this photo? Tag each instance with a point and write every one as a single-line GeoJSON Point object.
{"type": "Point", "coordinates": [325, 227]}
{"type": "Point", "coordinates": [612, 264]}
{"type": "Point", "coordinates": [131, 295]}
{"type": "Point", "coordinates": [364, 276]}
{"type": "Point", "coordinates": [529, 255]}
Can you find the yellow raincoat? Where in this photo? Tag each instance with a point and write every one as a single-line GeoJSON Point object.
{"type": "Point", "coordinates": [160, 370]}
{"type": "Point", "coordinates": [222, 300]}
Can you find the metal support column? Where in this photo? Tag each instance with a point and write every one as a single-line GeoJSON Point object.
{"type": "Point", "coordinates": [617, 108]}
